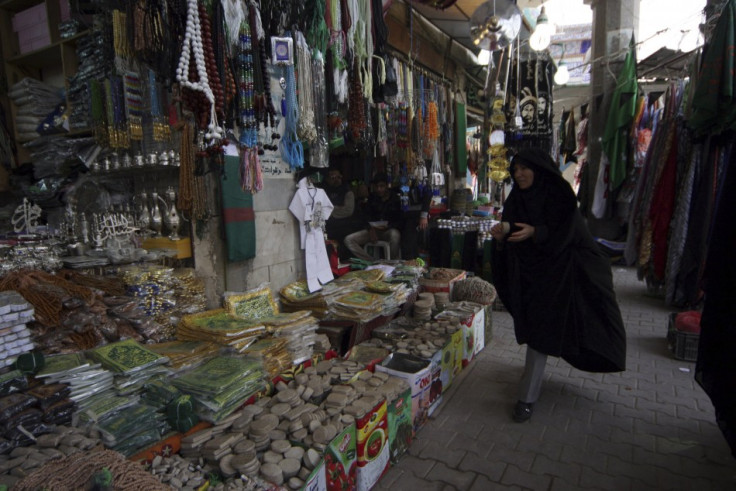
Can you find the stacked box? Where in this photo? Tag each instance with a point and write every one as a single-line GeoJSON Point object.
{"type": "Point", "coordinates": [15, 338]}
{"type": "Point", "coordinates": [32, 28]}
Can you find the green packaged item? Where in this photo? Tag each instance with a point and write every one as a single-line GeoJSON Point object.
{"type": "Point", "coordinates": [29, 363]}
{"type": "Point", "coordinates": [126, 357]}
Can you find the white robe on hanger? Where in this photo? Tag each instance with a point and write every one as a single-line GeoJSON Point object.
{"type": "Point", "coordinates": [311, 206]}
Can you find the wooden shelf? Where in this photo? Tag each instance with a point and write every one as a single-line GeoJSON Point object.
{"type": "Point", "coordinates": [18, 5]}
{"type": "Point", "coordinates": [40, 58]}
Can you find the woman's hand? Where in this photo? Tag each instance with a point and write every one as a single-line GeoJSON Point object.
{"type": "Point", "coordinates": [524, 231]}
{"type": "Point", "coordinates": [423, 222]}
{"type": "Point", "coordinates": [499, 230]}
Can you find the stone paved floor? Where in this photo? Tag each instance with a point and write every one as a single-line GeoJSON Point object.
{"type": "Point", "coordinates": [650, 427]}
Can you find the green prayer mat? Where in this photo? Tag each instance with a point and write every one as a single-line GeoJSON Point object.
{"type": "Point", "coordinates": [237, 213]}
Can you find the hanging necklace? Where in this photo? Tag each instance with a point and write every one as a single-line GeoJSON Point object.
{"type": "Point", "coordinates": [193, 45]}
{"type": "Point", "coordinates": [306, 131]}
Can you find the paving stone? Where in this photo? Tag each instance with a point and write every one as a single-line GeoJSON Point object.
{"type": "Point", "coordinates": [491, 469]}
{"type": "Point", "coordinates": [516, 476]}
{"type": "Point", "coordinates": [417, 466]}
{"type": "Point", "coordinates": [439, 452]}
{"type": "Point", "coordinates": [453, 477]}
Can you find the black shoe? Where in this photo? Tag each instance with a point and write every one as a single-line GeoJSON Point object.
{"type": "Point", "coordinates": [522, 411]}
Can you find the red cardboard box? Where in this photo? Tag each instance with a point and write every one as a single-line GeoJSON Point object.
{"type": "Point", "coordinates": [341, 461]}
{"type": "Point", "coordinates": [372, 447]}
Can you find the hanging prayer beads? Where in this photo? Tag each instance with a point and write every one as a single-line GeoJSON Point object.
{"type": "Point", "coordinates": [99, 117]}
{"type": "Point", "coordinates": [292, 150]}
{"type": "Point", "coordinates": [134, 105]}
{"type": "Point", "coordinates": [161, 128]}
{"type": "Point", "coordinates": [197, 43]}
{"type": "Point", "coordinates": [306, 130]}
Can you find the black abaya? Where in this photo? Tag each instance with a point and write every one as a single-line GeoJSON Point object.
{"type": "Point", "coordinates": [558, 285]}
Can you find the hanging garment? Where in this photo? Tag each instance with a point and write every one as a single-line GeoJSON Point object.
{"type": "Point", "coordinates": [311, 206]}
{"type": "Point", "coordinates": [716, 364]}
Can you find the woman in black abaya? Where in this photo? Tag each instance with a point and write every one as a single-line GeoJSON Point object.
{"type": "Point", "coordinates": [553, 279]}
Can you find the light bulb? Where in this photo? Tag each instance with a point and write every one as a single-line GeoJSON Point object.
{"type": "Point", "coordinates": [562, 76]}
{"type": "Point", "coordinates": [540, 39]}
{"type": "Point", "coordinates": [484, 57]}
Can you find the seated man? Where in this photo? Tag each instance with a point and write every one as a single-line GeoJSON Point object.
{"type": "Point", "coordinates": [343, 220]}
{"type": "Point", "coordinates": [382, 206]}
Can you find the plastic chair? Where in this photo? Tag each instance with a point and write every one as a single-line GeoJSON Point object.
{"type": "Point", "coordinates": [374, 249]}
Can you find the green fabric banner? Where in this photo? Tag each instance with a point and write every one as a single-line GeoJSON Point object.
{"type": "Point", "coordinates": [461, 128]}
{"type": "Point", "coordinates": [237, 214]}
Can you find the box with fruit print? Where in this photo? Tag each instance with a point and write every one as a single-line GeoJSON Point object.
{"type": "Point", "coordinates": [317, 480]}
{"type": "Point", "coordinates": [341, 461]}
{"type": "Point", "coordinates": [415, 371]}
{"type": "Point", "coordinates": [372, 446]}
{"type": "Point", "coordinates": [400, 429]}
{"type": "Point", "coordinates": [474, 327]}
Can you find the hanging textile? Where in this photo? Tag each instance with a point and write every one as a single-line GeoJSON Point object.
{"type": "Point", "coordinates": [530, 89]}
{"type": "Point", "coordinates": [237, 212]}
{"type": "Point", "coordinates": [713, 105]}
{"type": "Point", "coordinates": [311, 206]}
{"type": "Point", "coordinates": [716, 363]}
{"type": "Point", "coordinates": [615, 152]}
{"type": "Point", "coordinates": [461, 124]}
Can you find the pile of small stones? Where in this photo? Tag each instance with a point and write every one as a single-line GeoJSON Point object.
{"type": "Point", "coordinates": [60, 442]}
{"type": "Point", "coordinates": [422, 341]}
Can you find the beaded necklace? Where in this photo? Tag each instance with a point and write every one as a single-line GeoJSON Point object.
{"type": "Point", "coordinates": [292, 150]}
{"type": "Point", "coordinates": [319, 156]}
{"type": "Point", "coordinates": [340, 74]}
{"type": "Point", "coordinates": [133, 91]}
{"type": "Point", "coordinates": [306, 130]}
{"type": "Point", "coordinates": [120, 38]}
{"type": "Point", "coordinates": [356, 106]}
{"type": "Point", "coordinates": [248, 125]}
{"type": "Point", "coordinates": [161, 129]}
{"type": "Point", "coordinates": [317, 34]}
{"type": "Point", "coordinates": [195, 46]}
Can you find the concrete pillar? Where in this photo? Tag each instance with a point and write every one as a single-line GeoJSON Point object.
{"type": "Point", "coordinates": [614, 22]}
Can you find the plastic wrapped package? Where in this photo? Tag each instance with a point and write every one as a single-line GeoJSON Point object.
{"type": "Point", "coordinates": [12, 381]}
{"type": "Point", "coordinates": [13, 404]}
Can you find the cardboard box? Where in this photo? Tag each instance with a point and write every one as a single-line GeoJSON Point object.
{"type": "Point", "coordinates": [415, 371]}
{"type": "Point", "coordinates": [400, 427]}
{"type": "Point", "coordinates": [474, 328]}
{"type": "Point", "coordinates": [341, 461]}
{"type": "Point", "coordinates": [457, 349]}
{"type": "Point", "coordinates": [372, 446]}
{"type": "Point", "coordinates": [317, 480]}
{"type": "Point", "coordinates": [29, 17]}
{"type": "Point", "coordinates": [434, 392]}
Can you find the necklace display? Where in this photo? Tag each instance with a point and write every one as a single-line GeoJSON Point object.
{"type": "Point", "coordinates": [292, 150]}
{"type": "Point", "coordinates": [306, 130]}
{"type": "Point", "coordinates": [134, 105]}
{"type": "Point", "coordinates": [251, 178]}
{"type": "Point", "coordinates": [195, 39]}
{"type": "Point", "coordinates": [161, 128]}
{"type": "Point", "coordinates": [99, 117]}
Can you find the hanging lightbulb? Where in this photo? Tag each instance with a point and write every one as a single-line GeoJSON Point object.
{"type": "Point", "coordinates": [542, 35]}
{"type": "Point", "coordinates": [562, 76]}
{"type": "Point", "coordinates": [484, 57]}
